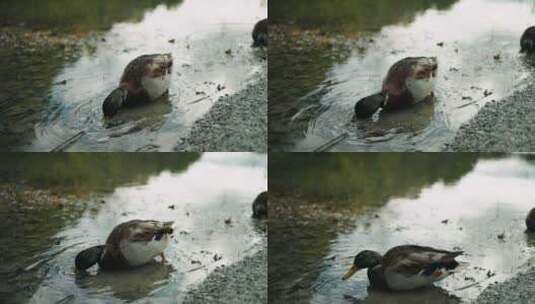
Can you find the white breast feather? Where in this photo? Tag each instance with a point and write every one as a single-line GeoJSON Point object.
{"type": "Point", "coordinates": [156, 86]}
{"type": "Point", "coordinates": [139, 253]}
{"type": "Point", "coordinates": [420, 88]}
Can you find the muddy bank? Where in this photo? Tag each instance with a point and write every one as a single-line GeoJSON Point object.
{"type": "Point", "coordinates": [501, 126]}
{"type": "Point", "coordinates": [236, 122]}
{"type": "Point", "coordinates": [243, 282]}
{"type": "Point", "coordinates": [520, 289]}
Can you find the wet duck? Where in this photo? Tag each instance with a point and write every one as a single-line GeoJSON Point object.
{"type": "Point", "coordinates": [408, 81]}
{"type": "Point", "coordinates": [144, 79]}
{"type": "Point", "coordinates": [527, 41]}
{"type": "Point", "coordinates": [130, 244]}
{"type": "Point", "coordinates": [530, 220]}
{"type": "Point", "coordinates": [260, 33]}
{"type": "Point", "coordinates": [260, 205]}
{"type": "Point", "coordinates": [405, 267]}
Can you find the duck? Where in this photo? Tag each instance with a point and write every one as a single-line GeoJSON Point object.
{"type": "Point", "coordinates": [260, 33]}
{"type": "Point", "coordinates": [260, 205]}
{"type": "Point", "coordinates": [130, 244]}
{"type": "Point", "coordinates": [527, 41]}
{"type": "Point", "coordinates": [146, 78]}
{"type": "Point", "coordinates": [408, 81]}
{"type": "Point", "coordinates": [530, 220]}
{"type": "Point", "coordinates": [405, 267]}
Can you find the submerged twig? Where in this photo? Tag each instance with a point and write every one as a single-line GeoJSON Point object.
{"type": "Point", "coordinates": [331, 143]}
{"type": "Point", "coordinates": [472, 284]}
{"type": "Point", "coordinates": [64, 145]}
{"type": "Point", "coordinates": [199, 99]}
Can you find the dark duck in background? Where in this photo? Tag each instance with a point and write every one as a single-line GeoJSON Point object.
{"type": "Point", "coordinates": [408, 81]}
{"type": "Point", "coordinates": [260, 205]}
{"type": "Point", "coordinates": [260, 33]}
{"type": "Point", "coordinates": [130, 244]}
{"type": "Point", "coordinates": [144, 79]}
{"type": "Point", "coordinates": [527, 41]}
{"type": "Point", "coordinates": [530, 221]}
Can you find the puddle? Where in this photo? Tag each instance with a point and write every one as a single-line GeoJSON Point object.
{"type": "Point", "coordinates": [468, 209]}
{"type": "Point", "coordinates": [478, 62]}
{"type": "Point", "coordinates": [196, 33]}
{"type": "Point", "coordinates": [199, 196]}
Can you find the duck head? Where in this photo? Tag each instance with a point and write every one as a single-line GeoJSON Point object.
{"type": "Point", "coordinates": [364, 259]}
{"type": "Point", "coordinates": [368, 105]}
{"type": "Point", "coordinates": [114, 102]}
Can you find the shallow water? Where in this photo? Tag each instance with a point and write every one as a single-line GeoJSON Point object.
{"type": "Point", "coordinates": [202, 31]}
{"type": "Point", "coordinates": [487, 196]}
{"type": "Point", "coordinates": [199, 195]}
{"type": "Point", "coordinates": [469, 75]}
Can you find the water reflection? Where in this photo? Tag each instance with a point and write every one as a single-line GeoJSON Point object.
{"type": "Point", "coordinates": [76, 15]}
{"type": "Point", "coordinates": [194, 32]}
{"type": "Point", "coordinates": [478, 62]}
{"type": "Point", "coordinates": [489, 199]}
{"type": "Point", "coordinates": [215, 188]}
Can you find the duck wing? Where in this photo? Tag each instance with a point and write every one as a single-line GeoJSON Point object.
{"type": "Point", "coordinates": [413, 259]}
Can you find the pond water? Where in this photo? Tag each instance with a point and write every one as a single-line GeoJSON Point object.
{"type": "Point", "coordinates": [197, 33]}
{"type": "Point", "coordinates": [478, 62]}
{"type": "Point", "coordinates": [468, 207]}
{"type": "Point", "coordinates": [198, 192]}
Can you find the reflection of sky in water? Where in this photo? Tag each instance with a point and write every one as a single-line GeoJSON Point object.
{"type": "Point", "coordinates": [203, 30]}
{"type": "Point", "coordinates": [215, 188]}
{"type": "Point", "coordinates": [473, 32]}
{"type": "Point", "coordinates": [492, 199]}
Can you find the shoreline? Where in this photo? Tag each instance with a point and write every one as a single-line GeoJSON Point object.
{"type": "Point", "coordinates": [236, 122]}
{"type": "Point", "coordinates": [500, 126]}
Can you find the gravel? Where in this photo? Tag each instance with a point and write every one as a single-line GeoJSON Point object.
{"type": "Point", "coordinates": [503, 126]}
{"type": "Point", "coordinates": [235, 123]}
{"type": "Point", "coordinates": [518, 290]}
{"type": "Point", "coordinates": [243, 282]}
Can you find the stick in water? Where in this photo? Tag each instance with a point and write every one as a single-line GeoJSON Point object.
{"type": "Point", "coordinates": [331, 143]}
{"type": "Point", "coordinates": [64, 145]}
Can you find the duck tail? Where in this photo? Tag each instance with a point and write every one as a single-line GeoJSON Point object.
{"type": "Point", "coordinates": [89, 257]}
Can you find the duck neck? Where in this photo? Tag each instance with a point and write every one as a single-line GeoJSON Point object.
{"type": "Point", "coordinates": [376, 276]}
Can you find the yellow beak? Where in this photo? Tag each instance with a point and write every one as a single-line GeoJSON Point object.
{"type": "Point", "coordinates": [350, 272]}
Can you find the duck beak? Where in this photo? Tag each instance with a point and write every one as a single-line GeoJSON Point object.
{"type": "Point", "coordinates": [350, 272]}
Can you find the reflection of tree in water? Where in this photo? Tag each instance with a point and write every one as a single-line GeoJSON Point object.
{"type": "Point", "coordinates": [371, 14]}
{"type": "Point", "coordinates": [299, 244]}
{"type": "Point", "coordinates": [33, 227]}
{"type": "Point", "coordinates": [80, 14]}
{"type": "Point", "coordinates": [298, 63]}
{"type": "Point", "coordinates": [364, 178]}
{"type": "Point", "coordinates": [89, 171]}
{"type": "Point", "coordinates": [129, 285]}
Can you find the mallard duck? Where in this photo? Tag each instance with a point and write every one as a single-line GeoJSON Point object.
{"type": "Point", "coordinates": [530, 220]}
{"type": "Point", "coordinates": [260, 33]}
{"type": "Point", "coordinates": [405, 267]}
{"type": "Point", "coordinates": [130, 244]}
{"type": "Point", "coordinates": [144, 79]}
{"type": "Point", "coordinates": [408, 81]}
{"type": "Point", "coordinates": [260, 205]}
{"type": "Point", "coordinates": [527, 41]}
